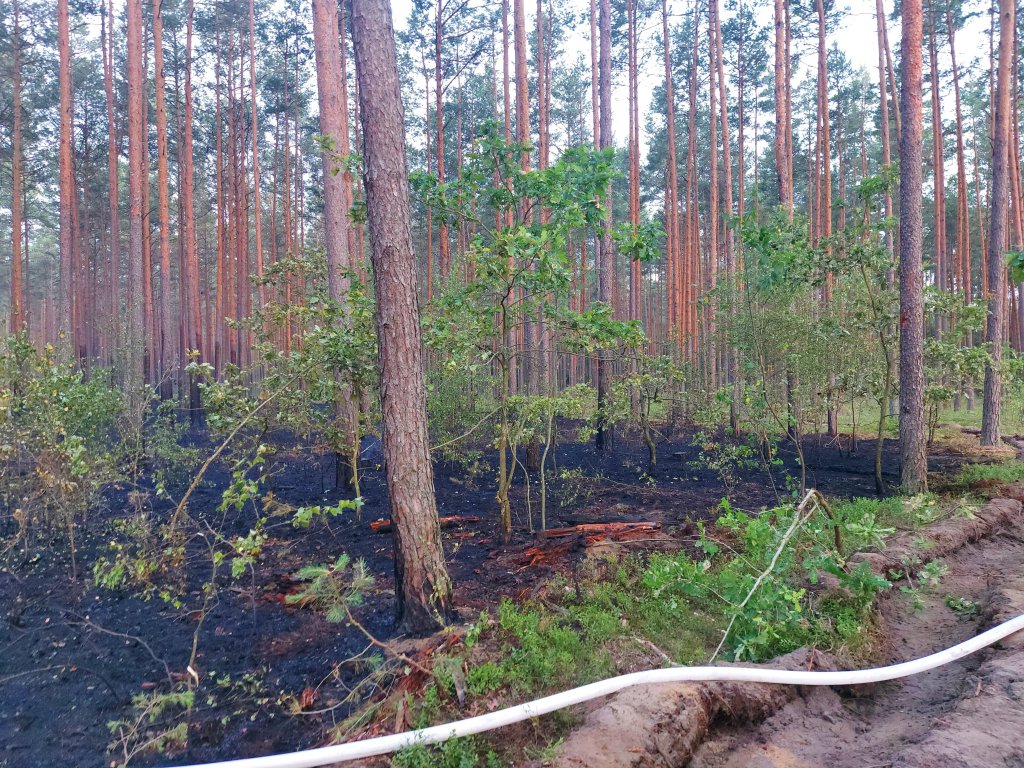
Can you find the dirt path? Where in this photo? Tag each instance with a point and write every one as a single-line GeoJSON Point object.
{"type": "Point", "coordinates": [969, 714]}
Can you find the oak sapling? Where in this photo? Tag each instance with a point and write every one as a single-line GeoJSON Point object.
{"type": "Point", "coordinates": [521, 275]}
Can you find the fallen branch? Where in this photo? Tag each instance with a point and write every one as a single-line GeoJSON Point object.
{"type": "Point", "coordinates": [384, 646]}
{"type": "Point", "coordinates": [600, 529]}
{"type": "Point", "coordinates": [383, 526]}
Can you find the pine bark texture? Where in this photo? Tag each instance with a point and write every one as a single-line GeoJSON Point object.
{"type": "Point", "coordinates": [194, 325]}
{"type": "Point", "coordinates": [992, 409]}
{"type": "Point", "coordinates": [334, 127]}
{"type": "Point", "coordinates": [913, 432]}
{"type": "Point", "coordinates": [137, 182]}
{"type": "Point", "coordinates": [782, 174]}
{"type": "Point", "coordinates": [113, 211]}
{"type": "Point", "coordinates": [164, 338]}
{"type": "Point", "coordinates": [422, 586]}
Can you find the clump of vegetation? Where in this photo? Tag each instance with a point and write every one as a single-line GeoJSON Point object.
{"type": "Point", "coordinates": [991, 474]}
{"type": "Point", "coordinates": [333, 589]}
{"type": "Point", "coordinates": [467, 752]}
{"type": "Point", "coordinates": [64, 443]}
{"type": "Point", "coordinates": [158, 724]}
{"type": "Point", "coordinates": [757, 569]}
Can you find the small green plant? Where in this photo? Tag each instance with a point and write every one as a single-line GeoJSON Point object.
{"type": "Point", "coordinates": [546, 753]}
{"type": "Point", "coordinates": [304, 516]}
{"type": "Point", "coordinates": [247, 548]}
{"type": "Point", "coordinates": [485, 678]}
{"type": "Point", "coordinates": [477, 629]}
{"type": "Point", "coordinates": [158, 723]}
{"type": "Point", "coordinates": [467, 752]}
{"type": "Point", "coordinates": [729, 459]}
{"type": "Point", "coordinates": [929, 576]}
{"type": "Point", "coordinates": [135, 556]}
{"type": "Point", "coordinates": [333, 589]}
{"type": "Point", "coordinates": [963, 607]}
{"type": "Point", "coordinates": [574, 485]}
{"type": "Point", "coordinates": [932, 573]}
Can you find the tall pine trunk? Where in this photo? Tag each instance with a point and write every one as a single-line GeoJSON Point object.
{"type": "Point", "coordinates": [422, 586]}
{"type": "Point", "coordinates": [883, 100]}
{"type": "Point", "coordinates": [67, 182]}
{"type": "Point", "coordinates": [163, 207]}
{"type": "Point", "coordinates": [17, 289]}
{"type": "Point", "coordinates": [333, 126]}
{"type": "Point", "coordinates": [256, 203]}
{"type": "Point", "coordinates": [114, 264]}
{"type": "Point", "coordinates": [782, 173]}
{"type": "Point", "coordinates": [992, 409]}
{"type": "Point", "coordinates": [913, 432]}
{"type": "Point", "coordinates": [194, 324]}
{"type": "Point", "coordinates": [606, 265]}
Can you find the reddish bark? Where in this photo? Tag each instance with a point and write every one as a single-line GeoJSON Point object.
{"type": "Point", "coordinates": [137, 182]}
{"type": "Point", "coordinates": [423, 589]}
{"type": "Point", "coordinates": [67, 182]}
{"type": "Point", "coordinates": [990, 424]}
{"type": "Point", "coordinates": [194, 324]}
{"type": "Point", "coordinates": [163, 341]}
{"type": "Point", "coordinates": [913, 432]}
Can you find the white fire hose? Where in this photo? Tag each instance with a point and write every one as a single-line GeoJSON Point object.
{"type": "Point", "coordinates": [339, 753]}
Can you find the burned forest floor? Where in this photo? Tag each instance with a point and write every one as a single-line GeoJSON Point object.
{"type": "Point", "coordinates": [87, 673]}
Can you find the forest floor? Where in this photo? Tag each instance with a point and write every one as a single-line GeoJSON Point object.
{"type": "Point", "coordinates": [276, 677]}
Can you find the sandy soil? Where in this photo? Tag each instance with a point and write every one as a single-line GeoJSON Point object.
{"type": "Point", "coordinates": [970, 713]}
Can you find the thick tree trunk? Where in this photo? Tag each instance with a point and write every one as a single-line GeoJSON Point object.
{"type": "Point", "coordinates": [422, 587]}
{"type": "Point", "coordinates": [992, 408]}
{"type": "Point", "coordinates": [334, 126]}
{"type": "Point", "coordinates": [137, 180]}
{"type": "Point", "coordinates": [913, 432]}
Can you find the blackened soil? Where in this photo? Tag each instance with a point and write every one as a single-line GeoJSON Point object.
{"type": "Point", "coordinates": [72, 655]}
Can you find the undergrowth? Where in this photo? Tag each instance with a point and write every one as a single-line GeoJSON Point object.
{"type": "Point", "coordinates": [615, 615]}
{"type": "Point", "coordinates": [998, 473]}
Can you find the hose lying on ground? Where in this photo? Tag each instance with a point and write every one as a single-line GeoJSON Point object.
{"type": "Point", "coordinates": [338, 753]}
